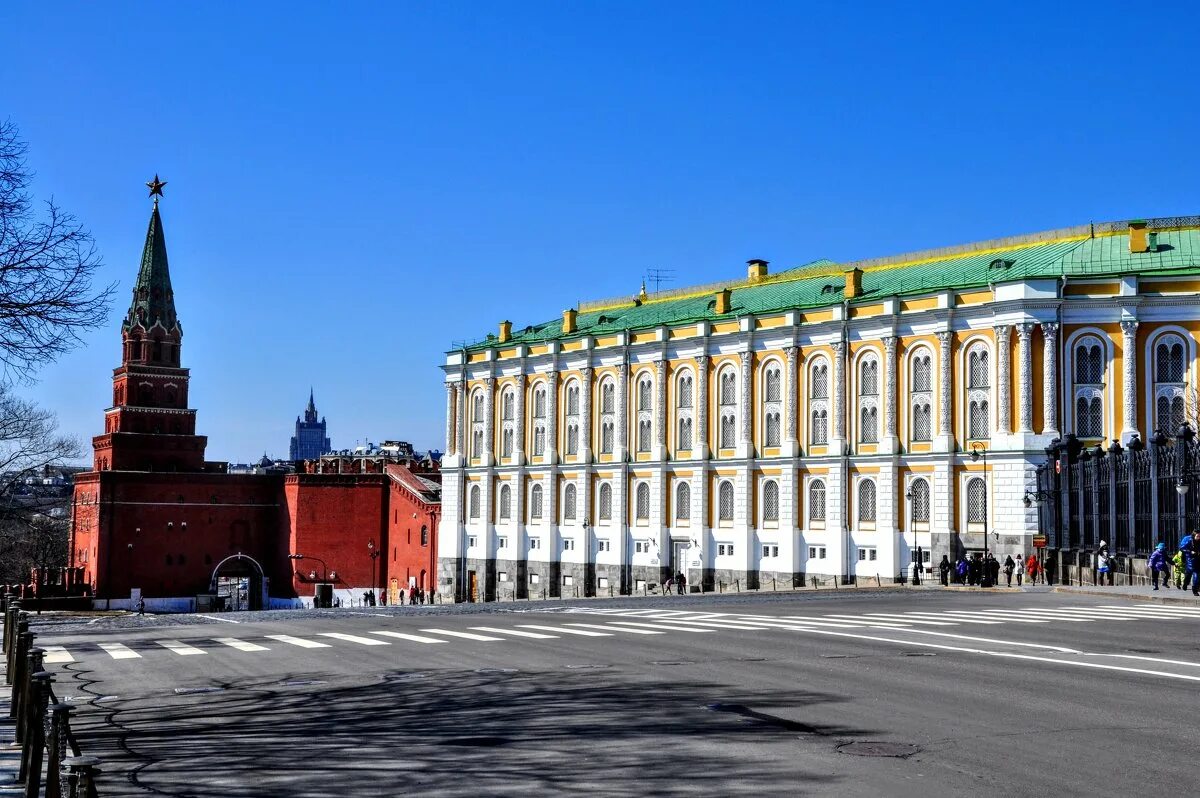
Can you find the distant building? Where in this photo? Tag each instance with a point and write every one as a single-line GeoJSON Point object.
{"type": "Point", "coordinates": [310, 441]}
{"type": "Point", "coordinates": [264, 465]}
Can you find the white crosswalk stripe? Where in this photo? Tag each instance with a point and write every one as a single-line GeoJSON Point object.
{"type": "Point", "coordinates": [663, 625]}
{"type": "Point", "coordinates": [120, 651]}
{"type": "Point", "coordinates": [515, 632]}
{"type": "Point", "coordinates": [410, 638]}
{"type": "Point", "coordinates": [183, 649]}
{"type": "Point", "coordinates": [565, 630]}
{"type": "Point", "coordinates": [463, 635]}
{"type": "Point", "coordinates": [298, 641]}
{"type": "Point", "coordinates": [362, 641]}
{"type": "Point", "coordinates": [240, 645]}
{"type": "Point", "coordinates": [739, 626]}
{"type": "Point", "coordinates": [612, 628]}
{"type": "Point", "coordinates": [57, 654]}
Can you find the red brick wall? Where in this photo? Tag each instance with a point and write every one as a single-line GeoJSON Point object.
{"type": "Point", "coordinates": [408, 556]}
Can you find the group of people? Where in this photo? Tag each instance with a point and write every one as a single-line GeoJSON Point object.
{"type": "Point", "coordinates": [1184, 564]}
{"type": "Point", "coordinates": [678, 582]}
{"type": "Point", "coordinates": [985, 571]}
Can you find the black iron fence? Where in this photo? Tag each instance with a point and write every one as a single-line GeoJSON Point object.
{"type": "Point", "coordinates": [1132, 497]}
{"type": "Point", "coordinates": [51, 762]}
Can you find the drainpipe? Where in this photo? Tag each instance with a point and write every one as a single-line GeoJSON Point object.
{"type": "Point", "coordinates": [847, 415]}
{"type": "Point", "coordinates": [459, 434]}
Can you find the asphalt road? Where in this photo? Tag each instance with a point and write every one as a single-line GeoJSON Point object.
{"type": "Point", "coordinates": [979, 694]}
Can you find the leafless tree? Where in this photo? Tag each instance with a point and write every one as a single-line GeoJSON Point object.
{"type": "Point", "coordinates": [47, 265]}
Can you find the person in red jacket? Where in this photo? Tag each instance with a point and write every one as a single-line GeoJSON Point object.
{"type": "Point", "coordinates": [1031, 568]}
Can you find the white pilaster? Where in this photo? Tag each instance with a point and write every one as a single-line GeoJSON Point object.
{"type": "Point", "coordinates": [944, 440]}
{"type": "Point", "coordinates": [791, 446]}
{"type": "Point", "coordinates": [1025, 356]}
{"type": "Point", "coordinates": [1129, 379]}
{"type": "Point", "coordinates": [889, 443]}
{"type": "Point", "coordinates": [1004, 381]}
{"type": "Point", "coordinates": [1050, 379]}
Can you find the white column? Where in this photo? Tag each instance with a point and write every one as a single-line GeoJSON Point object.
{"type": "Point", "coordinates": [451, 438]}
{"type": "Point", "coordinates": [1129, 426]}
{"type": "Point", "coordinates": [552, 417]}
{"type": "Point", "coordinates": [790, 444]}
{"type": "Point", "coordinates": [945, 437]}
{"type": "Point", "coordinates": [489, 420]}
{"type": "Point", "coordinates": [1050, 379]}
{"type": "Point", "coordinates": [701, 443]}
{"type": "Point", "coordinates": [621, 433]}
{"type": "Point", "coordinates": [1025, 356]}
{"type": "Point", "coordinates": [890, 442]}
{"type": "Point", "coordinates": [519, 421]}
{"type": "Point", "coordinates": [1003, 380]}
{"type": "Point", "coordinates": [585, 413]}
{"type": "Point", "coordinates": [746, 437]}
{"type": "Point", "coordinates": [837, 441]}
{"type": "Point", "coordinates": [460, 420]}
{"type": "Point", "coordinates": [660, 410]}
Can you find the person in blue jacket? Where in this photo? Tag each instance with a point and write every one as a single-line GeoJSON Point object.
{"type": "Point", "coordinates": [1158, 564]}
{"type": "Point", "coordinates": [1190, 546]}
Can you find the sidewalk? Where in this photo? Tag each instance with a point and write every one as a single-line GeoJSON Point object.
{"type": "Point", "coordinates": [1136, 592]}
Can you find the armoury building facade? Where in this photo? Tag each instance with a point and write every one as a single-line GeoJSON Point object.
{"type": "Point", "coordinates": [821, 421]}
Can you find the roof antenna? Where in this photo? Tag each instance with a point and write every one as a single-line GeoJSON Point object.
{"type": "Point", "coordinates": [1092, 225]}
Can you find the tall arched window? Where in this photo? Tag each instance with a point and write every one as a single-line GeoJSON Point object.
{"type": "Point", "coordinates": [866, 501]}
{"type": "Point", "coordinates": [725, 501]}
{"type": "Point", "coordinates": [772, 407]}
{"type": "Point", "coordinates": [477, 415]}
{"type": "Point", "coordinates": [921, 391]}
{"type": "Point", "coordinates": [608, 392]}
{"type": "Point", "coordinates": [868, 399]}
{"type": "Point", "coordinates": [572, 418]}
{"type": "Point", "coordinates": [774, 391]}
{"type": "Point", "coordinates": [569, 502]}
{"type": "Point", "coordinates": [976, 501]}
{"type": "Point", "coordinates": [506, 446]}
{"type": "Point", "coordinates": [645, 432]}
{"type": "Point", "coordinates": [535, 502]}
{"type": "Point", "coordinates": [1170, 374]}
{"type": "Point", "coordinates": [683, 502]}
{"type": "Point", "coordinates": [816, 500]}
{"type": "Point", "coordinates": [505, 502]}
{"type": "Point", "coordinates": [539, 420]}
{"type": "Point", "coordinates": [1090, 363]}
{"type": "Point", "coordinates": [919, 501]}
{"type": "Point", "coordinates": [605, 502]}
{"type": "Point", "coordinates": [473, 502]}
{"type": "Point", "coordinates": [645, 394]}
{"type": "Point", "coordinates": [507, 405]}
{"type": "Point", "coordinates": [645, 413]}
{"type": "Point", "coordinates": [685, 434]}
{"type": "Point", "coordinates": [684, 393]}
{"type": "Point", "coordinates": [608, 406]}
{"type": "Point", "coordinates": [978, 392]}
{"type": "Point", "coordinates": [642, 502]}
{"type": "Point", "coordinates": [606, 437]}
{"type": "Point", "coordinates": [770, 501]}
{"type": "Point", "coordinates": [727, 380]}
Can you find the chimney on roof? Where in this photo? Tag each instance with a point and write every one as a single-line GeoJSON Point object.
{"type": "Point", "coordinates": [569, 317]}
{"type": "Point", "coordinates": [853, 283]}
{"type": "Point", "coordinates": [505, 331]}
{"type": "Point", "coordinates": [756, 270]}
{"type": "Point", "coordinates": [1139, 239]}
{"type": "Point", "coordinates": [722, 305]}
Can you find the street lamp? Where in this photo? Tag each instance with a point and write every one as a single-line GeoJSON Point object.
{"type": "Point", "coordinates": [374, 555]}
{"type": "Point", "coordinates": [979, 452]}
{"type": "Point", "coordinates": [917, 559]}
{"type": "Point", "coordinates": [313, 574]}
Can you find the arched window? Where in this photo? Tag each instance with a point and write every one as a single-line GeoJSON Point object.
{"type": "Point", "coordinates": [505, 503]}
{"type": "Point", "coordinates": [608, 402]}
{"type": "Point", "coordinates": [572, 438]}
{"type": "Point", "coordinates": [477, 406]}
{"type": "Point", "coordinates": [816, 500]}
{"type": "Point", "coordinates": [507, 443]}
{"type": "Point", "coordinates": [774, 392]}
{"type": "Point", "coordinates": [1170, 374]}
{"type": "Point", "coordinates": [606, 437]}
{"type": "Point", "coordinates": [772, 431]}
{"type": "Point", "coordinates": [645, 394]}
{"type": "Point", "coordinates": [507, 404]}
{"type": "Point", "coordinates": [728, 431]}
{"type": "Point", "coordinates": [684, 391]}
{"type": "Point", "coordinates": [569, 503]}
{"type": "Point", "coordinates": [477, 414]}
{"type": "Point", "coordinates": [608, 405]}
{"type": "Point", "coordinates": [573, 399]}
{"type": "Point", "coordinates": [976, 501]}
{"type": "Point", "coordinates": [819, 380]}
{"type": "Point", "coordinates": [869, 376]}
{"type": "Point", "coordinates": [978, 392]}
{"type": "Point", "coordinates": [539, 402]}
{"type": "Point", "coordinates": [477, 443]}
{"type": "Point", "coordinates": [919, 501]}
{"type": "Point", "coordinates": [820, 426]}
{"type": "Point", "coordinates": [1089, 368]}
{"type": "Point", "coordinates": [683, 411]}
{"type": "Point", "coordinates": [642, 502]}
{"type": "Point", "coordinates": [869, 424]}
{"type": "Point", "coordinates": [772, 404]}
{"type": "Point", "coordinates": [473, 502]}
{"type": "Point", "coordinates": [685, 434]}
{"type": "Point", "coordinates": [866, 501]}
{"type": "Point", "coordinates": [683, 501]}
{"type": "Point", "coordinates": [728, 381]}
{"type": "Point", "coordinates": [868, 399]}
{"type": "Point", "coordinates": [605, 502]}
{"type": "Point", "coordinates": [770, 500]}
{"type": "Point", "coordinates": [921, 391]}
{"type": "Point", "coordinates": [539, 421]}
{"type": "Point", "coordinates": [644, 434]}
{"type": "Point", "coordinates": [535, 502]}
{"type": "Point", "coordinates": [725, 501]}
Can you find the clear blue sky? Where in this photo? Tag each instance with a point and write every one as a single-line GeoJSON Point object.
{"type": "Point", "coordinates": [355, 186]}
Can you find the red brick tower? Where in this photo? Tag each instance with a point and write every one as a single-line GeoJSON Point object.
{"type": "Point", "coordinates": [149, 427]}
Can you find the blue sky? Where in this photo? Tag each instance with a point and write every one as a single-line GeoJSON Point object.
{"type": "Point", "coordinates": [355, 186]}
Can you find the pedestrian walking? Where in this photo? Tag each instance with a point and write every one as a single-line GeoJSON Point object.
{"type": "Point", "coordinates": [141, 606]}
{"type": "Point", "coordinates": [1009, 566]}
{"type": "Point", "coordinates": [1158, 564]}
{"type": "Point", "coordinates": [1191, 563]}
{"type": "Point", "coordinates": [1020, 569]}
{"type": "Point", "coordinates": [1177, 568]}
{"type": "Point", "coordinates": [944, 569]}
{"type": "Point", "coordinates": [961, 571]}
{"type": "Point", "coordinates": [1031, 568]}
{"type": "Point", "coordinates": [993, 570]}
{"type": "Point", "coordinates": [1104, 565]}
{"type": "Point", "coordinates": [680, 583]}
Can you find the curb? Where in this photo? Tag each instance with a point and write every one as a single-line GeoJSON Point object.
{"type": "Point", "coordinates": [1090, 591]}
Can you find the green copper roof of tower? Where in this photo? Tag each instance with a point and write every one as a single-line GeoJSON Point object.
{"type": "Point", "coordinates": [153, 299]}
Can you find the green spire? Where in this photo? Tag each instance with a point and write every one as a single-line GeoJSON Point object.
{"type": "Point", "coordinates": [153, 299]}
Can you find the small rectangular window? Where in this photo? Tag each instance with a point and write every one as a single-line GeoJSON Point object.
{"type": "Point", "coordinates": [821, 553]}
{"type": "Point", "coordinates": [639, 584]}
{"type": "Point", "coordinates": [603, 583]}
{"type": "Point", "coordinates": [534, 579]}
{"type": "Point", "coordinates": [568, 544]}
{"type": "Point", "coordinates": [535, 543]}
{"type": "Point", "coordinates": [503, 576]}
{"type": "Point", "coordinates": [568, 580]}
{"type": "Point", "coordinates": [871, 554]}
{"type": "Point", "coordinates": [472, 541]}
{"type": "Point", "coordinates": [604, 545]}
{"type": "Point", "coordinates": [862, 555]}
{"type": "Point", "coordinates": [502, 542]}
{"type": "Point", "coordinates": [812, 552]}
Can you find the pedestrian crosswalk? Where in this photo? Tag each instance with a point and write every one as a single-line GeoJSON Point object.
{"type": "Point", "coordinates": [599, 621]}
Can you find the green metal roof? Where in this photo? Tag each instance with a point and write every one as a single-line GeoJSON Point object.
{"type": "Point", "coordinates": [1095, 250]}
{"type": "Point", "coordinates": [153, 299]}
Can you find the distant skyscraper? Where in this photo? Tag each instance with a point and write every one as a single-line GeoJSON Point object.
{"type": "Point", "coordinates": [309, 442]}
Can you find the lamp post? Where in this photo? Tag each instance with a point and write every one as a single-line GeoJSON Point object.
{"type": "Point", "coordinates": [918, 561]}
{"type": "Point", "coordinates": [324, 568]}
{"type": "Point", "coordinates": [374, 555]}
{"type": "Point", "coordinates": [979, 452]}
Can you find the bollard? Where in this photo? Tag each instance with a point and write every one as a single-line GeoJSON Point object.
{"type": "Point", "coordinates": [773, 584]}
{"type": "Point", "coordinates": [35, 733]}
{"type": "Point", "coordinates": [60, 724]}
{"type": "Point", "coordinates": [81, 776]}
{"type": "Point", "coordinates": [21, 628]}
{"type": "Point", "coordinates": [32, 663]}
{"type": "Point", "coordinates": [737, 585]}
{"type": "Point", "coordinates": [17, 672]}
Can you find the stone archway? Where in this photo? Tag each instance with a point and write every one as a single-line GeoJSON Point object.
{"type": "Point", "coordinates": [238, 582]}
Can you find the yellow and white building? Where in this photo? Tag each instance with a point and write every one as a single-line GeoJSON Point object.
{"type": "Point", "coordinates": [819, 421]}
